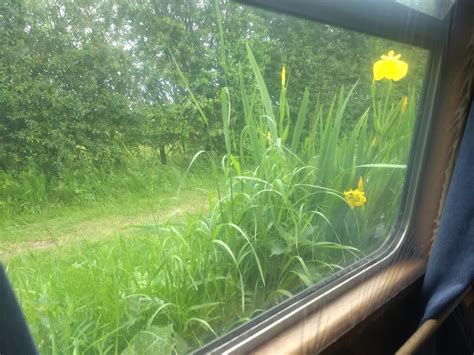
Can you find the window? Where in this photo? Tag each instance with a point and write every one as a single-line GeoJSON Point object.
{"type": "Point", "coordinates": [432, 8]}
{"type": "Point", "coordinates": [171, 171]}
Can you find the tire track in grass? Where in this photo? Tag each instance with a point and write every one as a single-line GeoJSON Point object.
{"type": "Point", "coordinates": [45, 237]}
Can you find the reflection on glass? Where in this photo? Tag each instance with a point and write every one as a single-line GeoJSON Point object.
{"type": "Point", "coordinates": [435, 8]}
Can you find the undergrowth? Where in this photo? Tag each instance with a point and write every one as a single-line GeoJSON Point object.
{"type": "Point", "coordinates": [31, 195]}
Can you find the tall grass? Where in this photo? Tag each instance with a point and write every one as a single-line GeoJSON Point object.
{"type": "Point", "coordinates": [284, 223]}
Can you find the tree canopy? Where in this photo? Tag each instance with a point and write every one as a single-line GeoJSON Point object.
{"type": "Point", "coordinates": [80, 80]}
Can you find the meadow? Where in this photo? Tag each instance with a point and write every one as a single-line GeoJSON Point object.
{"type": "Point", "coordinates": [149, 206]}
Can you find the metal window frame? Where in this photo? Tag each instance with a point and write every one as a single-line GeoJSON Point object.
{"type": "Point", "coordinates": [390, 20]}
{"type": "Point", "coordinates": [382, 18]}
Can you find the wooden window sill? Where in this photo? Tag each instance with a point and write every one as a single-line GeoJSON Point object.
{"type": "Point", "coordinates": [321, 328]}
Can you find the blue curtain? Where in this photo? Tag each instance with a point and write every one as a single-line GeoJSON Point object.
{"type": "Point", "coordinates": [450, 267]}
{"type": "Point", "coordinates": [15, 337]}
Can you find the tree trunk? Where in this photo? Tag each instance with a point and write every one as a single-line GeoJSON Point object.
{"type": "Point", "coordinates": [163, 155]}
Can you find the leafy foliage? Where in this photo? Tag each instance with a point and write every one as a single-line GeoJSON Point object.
{"type": "Point", "coordinates": [79, 80]}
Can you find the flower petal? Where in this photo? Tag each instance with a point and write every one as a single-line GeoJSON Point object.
{"type": "Point", "coordinates": [401, 70]}
{"type": "Point", "coordinates": [391, 69]}
{"type": "Point", "coordinates": [283, 76]}
{"type": "Point", "coordinates": [379, 70]}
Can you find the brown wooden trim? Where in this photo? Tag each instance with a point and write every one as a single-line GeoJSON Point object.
{"type": "Point", "coordinates": [429, 327]}
{"type": "Point", "coordinates": [385, 329]}
{"type": "Point", "coordinates": [450, 112]}
{"type": "Point", "coordinates": [319, 330]}
{"type": "Point", "coordinates": [469, 300]}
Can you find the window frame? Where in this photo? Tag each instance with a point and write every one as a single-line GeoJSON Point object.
{"type": "Point", "coordinates": [400, 254]}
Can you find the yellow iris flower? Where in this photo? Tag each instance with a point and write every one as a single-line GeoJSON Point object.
{"type": "Point", "coordinates": [390, 67]}
{"type": "Point", "coordinates": [269, 137]}
{"type": "Point", "coordinates": [404, 103]}
{"type": "Point", "coordinates": [283, 77]}
{"type": "Point", "coordinates": [356, 198]}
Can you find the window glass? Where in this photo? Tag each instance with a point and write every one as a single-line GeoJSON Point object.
{"type": "Point", "coordinates": [171, 169]}
{"type": "Point", "coordinates": [435, 8]}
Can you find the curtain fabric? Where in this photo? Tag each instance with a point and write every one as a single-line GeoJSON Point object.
{"type": "Point", "coordinates": [15, 337]}
{"type": "Point", "coordinates": [450, 267]}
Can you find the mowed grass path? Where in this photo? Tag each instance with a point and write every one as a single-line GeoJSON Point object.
{"type": "Point", "coordinates": [99, 222]}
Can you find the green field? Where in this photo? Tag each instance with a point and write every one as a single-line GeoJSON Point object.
{"type": "Point", "coordinates": [87, 279]}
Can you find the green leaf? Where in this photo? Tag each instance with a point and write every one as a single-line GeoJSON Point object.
{"type": "Point", "coordinates": [225, 104]}
{"type": "Point", "coordinates": [383, 166]}
{"type": "Point", "coordinates": [295, 141]}
{"type": "Point", "coordinates": [262, 87]}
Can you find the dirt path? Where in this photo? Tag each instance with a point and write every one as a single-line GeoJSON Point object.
{"type": "Point", "coordinates": [47, 235]}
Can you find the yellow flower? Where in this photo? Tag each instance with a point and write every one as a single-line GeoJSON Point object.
{"type": "Point", "coordinates": [390, 67]}
{"type": "Point", "coordinates": [404, 103]}
{"type": "Point", "coordinates": [356, 198]}
{"type": "Point", "coordinates": [283, 77]}
{"type": "Point", "coordinates": [269, 136]}
{"type": "Point", "coordinates": [360, 184]}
